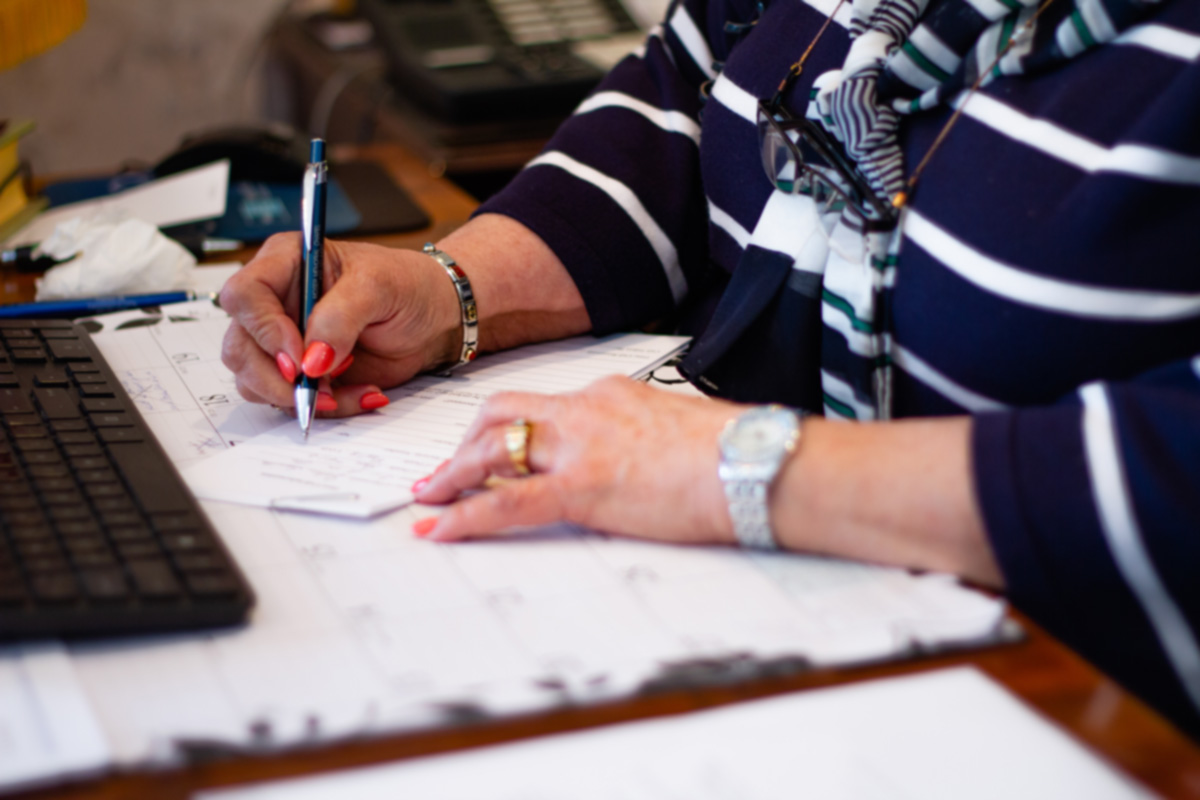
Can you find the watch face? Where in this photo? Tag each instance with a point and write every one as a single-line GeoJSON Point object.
{"type": "Point", "coordinates": [761, 434]}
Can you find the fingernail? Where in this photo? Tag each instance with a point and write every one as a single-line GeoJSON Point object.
{"type": "Point", "coordinates": [325, 402]}
{"type": "Point", "coordinates": [420, 484]}
{"type": "Point", "coordinates": [345, 365]}
{"type": "Point", "coordinates": [423, 527]}
{"type": "Point", "coordinates": [287, 367]}
{"type": "Point", "coordinates": [372, 400]}
{"type": "Point", "coordinates": [318, 358]}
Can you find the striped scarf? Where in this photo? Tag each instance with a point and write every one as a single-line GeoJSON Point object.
{"type": "Point", "coordinates": [910, 55]}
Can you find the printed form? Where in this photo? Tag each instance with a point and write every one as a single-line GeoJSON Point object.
{"type": "Point", "coordinates": [362, 628]}
{"type": "Point", "coordinates": [362, 466]}
{"type": "Point", "coordinates": [942, 735]}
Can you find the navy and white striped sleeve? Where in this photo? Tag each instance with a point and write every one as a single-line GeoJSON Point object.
{"type": "Point", "coordinates": [617, 193]}
{"type": "Point", "coordinates": [1092, 510]}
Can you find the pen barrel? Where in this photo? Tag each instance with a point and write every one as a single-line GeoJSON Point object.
{"type": "Point", "coordinates": [313, 267]}
{"type": "Point", "coordinates": [314, 239]}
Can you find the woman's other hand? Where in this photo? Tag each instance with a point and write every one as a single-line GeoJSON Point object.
{"type": "Point", "coordinates": [619, 456]}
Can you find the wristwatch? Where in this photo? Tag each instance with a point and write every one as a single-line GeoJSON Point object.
{"type": "Point", "coordinates": [754, 447]}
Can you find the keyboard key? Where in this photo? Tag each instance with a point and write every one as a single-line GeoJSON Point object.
{"type": "Point", "coordinates": [104, 583]}
{"type": "Point", "coordinates": [56, 403]}
{"type": "Point", "coordinates": [130, 533]}
{"type": "Point", "coordinates": [36, 446]}
{"type": "Point", "coordinates": [52, 378]}
{"type": "Point", "coordinates": [132, 551]}
{"type": "Point", "coordinates": [59, 333]}
{"type": "Point", "coordinates": [76, 437]}
{"type": "Point", "coordinates": [97, 476]}
{"type": "Point", "coordinates": [70, 513]}
{"type": "Point", "coordinates": [29, 355]}
{"type": "Point", "coordinates": [154, 579]}
{"type": "Point", "coordinates": [164, 523]}
{"type": "Point", "coordinates": [94, 404]}
{"type": "Point", "coordinates": [200, 562]}
{"type": "Point", "coordinates": [115, 435]}
{"type": "Point", "coordinates": [111, 420]}
{"type": "Point", "coordinates": [14, 401]}
{"type": "Point", "coordinates": [69, 425]}
{"type": "Point", "coordinates": [153, 482]}
{"type": "Point", "coordinates": [68, 350]}
{"type": "Point", "coordinates": [23, 420]}
{"type": "Point", "coordinates": [12, 593]}
{"type": "Point", "coordinates": [96, 559]}
{"type": "Point", "coordinates": [74, 451]}
{"type": "Point", "coordinates": [211, 586]}
{"type": "Point", "coordinates": [95, 390]}
{"type": "Point", "coordinates": [180, 544]}
{"type": "Point", "coordinates": [55, 588]}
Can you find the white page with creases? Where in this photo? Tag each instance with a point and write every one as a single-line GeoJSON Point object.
{"type": "Point", "coordinates": [48, 730]}
{"type": "Point", "coordinates": [361, 628]}
{"type": "Point", "coordinates": [943, 735]}
{"type": "Point", "coordinates": [364, 465]}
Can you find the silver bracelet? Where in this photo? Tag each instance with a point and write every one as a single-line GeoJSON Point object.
{"type": "Point", "coordinates": [466, 302]}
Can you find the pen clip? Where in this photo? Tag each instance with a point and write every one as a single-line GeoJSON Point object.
{"type": "Point", "coordinates": [306, 200]}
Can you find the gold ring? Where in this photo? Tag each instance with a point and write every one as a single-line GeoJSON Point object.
{"type": "Point", "coordinates": [516, 442]}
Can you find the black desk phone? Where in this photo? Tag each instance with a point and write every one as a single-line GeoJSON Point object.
{"type": "Point", "coordinates": [479, 60]}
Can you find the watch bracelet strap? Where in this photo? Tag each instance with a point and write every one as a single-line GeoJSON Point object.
{"type": "Point", "coordinates": [748, 509]}
{"type": "Point", "coordinates": [466, 303]}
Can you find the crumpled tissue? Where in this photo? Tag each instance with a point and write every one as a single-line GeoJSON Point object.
{"type": "Point", "coordinates": [117, 255]}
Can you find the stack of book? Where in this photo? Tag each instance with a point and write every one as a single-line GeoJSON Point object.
{"type": "Point", "coordinates": [16, 207]}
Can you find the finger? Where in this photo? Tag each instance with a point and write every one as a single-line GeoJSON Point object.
{"type": "Point", "coordinates": [351, 400]}
{"type": "Point", "coordinates": [534, 501]}
{"type": "Point", "coordinates": [474, 462]}
{"type": "Point", "coordinates": [354, 302]}
{"type": "Point", "coordinates": [504, 407]}
{"type": "Point", "coordinates": [257, 375]}
{"type": "Point", "coordinates": [262, 297]}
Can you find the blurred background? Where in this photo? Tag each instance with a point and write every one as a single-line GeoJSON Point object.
{"type": "Point", "coordinates": [136, 77]}
{"type": "Point", "coordinates": [473, 87]}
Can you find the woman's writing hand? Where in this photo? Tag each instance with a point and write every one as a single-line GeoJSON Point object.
{"type": "Point", "coordinates": [619, 456]}
{"type": "Point", "coordinates": [385, 315]}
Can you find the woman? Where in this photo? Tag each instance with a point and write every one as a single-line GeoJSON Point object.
{"type": "Point", "coordinates": [1021, 337]}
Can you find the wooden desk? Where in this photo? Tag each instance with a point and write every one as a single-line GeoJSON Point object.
{"type": "Point", "coordinates": [1039, 670]}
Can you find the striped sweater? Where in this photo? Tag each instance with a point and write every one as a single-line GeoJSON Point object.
{"type": "Point", "coordinates": [1048, 283]}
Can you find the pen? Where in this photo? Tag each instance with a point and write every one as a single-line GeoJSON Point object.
{"type": "Point", "coordinates": [312, 212]}
{"type": "Point", "coordinates": [95, 305]}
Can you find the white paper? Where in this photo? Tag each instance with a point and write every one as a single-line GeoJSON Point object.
{"type": "Point", "coordinates": [943, 735]}
{"type": "Point", "coordinates": [362, 466]}
{"type": "Point", "coordinates": [173, 373]}
{"type": "Point", "coordinates": [360, 628]}
{"type": "Point", "coordinates": [47, 727]}
{"type": "Point", "coordinates": [188, 196]}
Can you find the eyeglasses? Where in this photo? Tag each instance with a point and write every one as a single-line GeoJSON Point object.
{"type": "Point", "coordinates": [801, 157]}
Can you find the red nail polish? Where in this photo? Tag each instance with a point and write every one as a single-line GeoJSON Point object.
{"type": "Point", "coordinates": [372, 400]}
{"type": "Point", "coordinates": [318, 358]}
{"type": "Point", "coordinates": [423, 527]}
{"type": "Point", "coordinates": [345, 365]}
{"type": "Point", "coordinates": [420, 484]}
{"type": "Point", "coordinates": [325, 402]}
{"type": "Point", "coordinates": [287, 367]}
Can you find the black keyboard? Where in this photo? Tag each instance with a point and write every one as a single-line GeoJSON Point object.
{"type": "Point", "coordinates": [98, 534]}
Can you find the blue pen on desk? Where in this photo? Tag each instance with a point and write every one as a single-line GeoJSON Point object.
{"type": "Point", "coordinates": [94, 305]}
{"type": "Point", "coordinates": [312, 210]}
